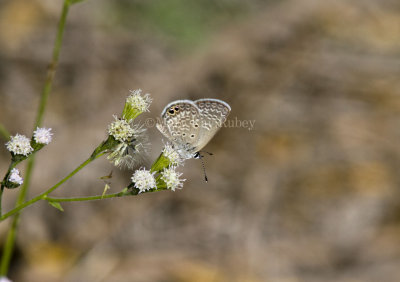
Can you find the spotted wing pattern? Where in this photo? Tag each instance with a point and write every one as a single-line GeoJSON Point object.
{"type": "Point", "coordinates": [213, 115]}
{"type": "Point", "coordinates": [181, 125]}
{"type": "Point", "coordinates": [191, 125]}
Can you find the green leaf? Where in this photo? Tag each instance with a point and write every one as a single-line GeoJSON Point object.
{"type": "Point", "coordinates": [56, 205]}
{"type": "Point", "coordinates": [161, 163]}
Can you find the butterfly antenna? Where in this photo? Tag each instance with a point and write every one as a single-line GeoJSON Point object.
{"type": "Point", "coordinates": [198, 155]}
{"type": "Point", "coordinates": [204, 168]}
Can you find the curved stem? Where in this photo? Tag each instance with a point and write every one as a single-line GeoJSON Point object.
{"type": "Point", "coordinates": [43, 195]}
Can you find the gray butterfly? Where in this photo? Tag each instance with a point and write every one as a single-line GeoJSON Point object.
{"type": "Point", "coordinates": [190, 125]}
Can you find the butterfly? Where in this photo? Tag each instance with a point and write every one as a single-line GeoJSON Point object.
{"type": "Point", "coordinates": [190, 125]}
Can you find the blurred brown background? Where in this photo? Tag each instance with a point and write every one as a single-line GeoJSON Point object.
{"type": "Point", "coordinates": [310, 194]}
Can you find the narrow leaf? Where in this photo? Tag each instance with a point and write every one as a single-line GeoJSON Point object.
{"type": "Point", "coordinates": [106, 187]}
{"type": "Point", "coordinates": [56, 205]}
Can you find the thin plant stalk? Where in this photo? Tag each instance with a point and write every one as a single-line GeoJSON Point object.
{"type": "Point", "coordinates": [123, 193]}
{"type": "Point", "coordinates": [4, 132]}
{"type": "Point", "coordinates": [44, 195]}
{"type": "Point", "coordinates": [10, 242]}
{"type": "Point", "coordinates": [160, 163]}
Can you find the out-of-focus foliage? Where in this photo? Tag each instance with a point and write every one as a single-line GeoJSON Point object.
{"type": "Point", "coordinates": [185, 22]}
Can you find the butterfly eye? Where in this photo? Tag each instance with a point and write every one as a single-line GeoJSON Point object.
{"type": "Point", "coordinates": [176, 108]}
{"type": "Point", "coordinates": [171, 111]}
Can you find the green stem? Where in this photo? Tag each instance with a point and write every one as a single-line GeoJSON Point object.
{"type": "Point", "coordinates": [4, 132]}
{"type": "Point", "coordinates": [11, 166]}
{"type": "Point", "coordinates": [43, 196]}
{"type": "Point", "coordinates": [123, 193]}
{"type": "Point", "coordinates": [10, 241]}
{"type": "Point", "coordinates": [9, 247]}
{"type": "Point", "coordinates": [1, 198]}
{"type": "Point", "coordinates": [90, 198]}
{"type": "Point", "coordinates": [71, 174]}
{"type": "Point", "coordinates": [53, 65]}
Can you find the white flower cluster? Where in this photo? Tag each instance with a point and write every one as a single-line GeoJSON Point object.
{"type": "Point", "coordinates": [144, 180]}
{"type": "Point", "coordinates": [132, 139]}
{"type": "Point", "coordinates": [120, 129]}
{"type": "Point", "coordinates": [172, 178]}
{"type": "Point", "coordinates": [42, 135]}
{"type": "Point", "coordinates": [132, 149]}
{"type": "Point", "coordinates": [172, 155]}
{"type": "Point", "coordinates": [16, 178]}
{"type": "Point", "coordinates": [138, 101]}
{"type": "Point", "coordinates": [19, 145]}
{"type": "Point", "coordinates": [132, 143]}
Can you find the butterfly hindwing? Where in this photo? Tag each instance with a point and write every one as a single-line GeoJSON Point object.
{"type": "Point", "coordinates": [213, 115]}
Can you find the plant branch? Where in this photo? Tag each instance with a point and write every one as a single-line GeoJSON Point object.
{"type": "Point", "coordinates": [127, 191]}
{"type": "Point", "coordinates": [9, 247]}
{"type": "Point", "coordinates": [123, 193]}
{"type": "Point", "coordinates": [43, 196]}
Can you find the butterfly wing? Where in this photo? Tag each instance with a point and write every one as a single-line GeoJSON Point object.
{"type": "Point", "coordinates": [213, 114]}
{"type": "Point", "coordinates": [191, 125]}
{"type": "Point", "coordinates": [181, 125]}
